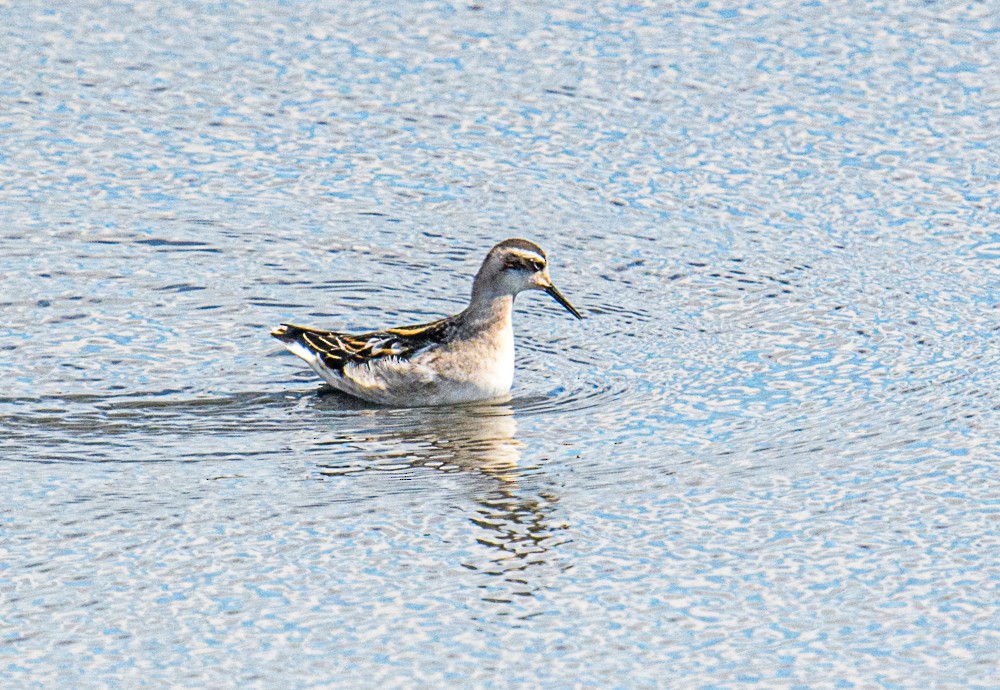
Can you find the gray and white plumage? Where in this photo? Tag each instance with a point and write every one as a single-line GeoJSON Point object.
{"type": "Point", "coordinates": [462, 358]}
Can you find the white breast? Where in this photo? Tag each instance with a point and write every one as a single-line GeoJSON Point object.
{"type": "Point", "coordinates": [499, 376]}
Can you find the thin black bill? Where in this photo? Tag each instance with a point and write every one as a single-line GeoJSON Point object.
{"type": "Point", "coordinates": [557, 296]}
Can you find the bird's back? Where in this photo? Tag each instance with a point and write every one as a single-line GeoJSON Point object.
{"type": "Point", "coordinates": [337, 350]}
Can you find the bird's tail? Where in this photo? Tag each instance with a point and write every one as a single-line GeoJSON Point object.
{"type": "Point", "coordinates": [287, 333]}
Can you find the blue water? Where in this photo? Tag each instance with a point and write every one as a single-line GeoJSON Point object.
{"type": "Point", "coordinates": [767, 457]}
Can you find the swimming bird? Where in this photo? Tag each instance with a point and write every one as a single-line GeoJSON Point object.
{"type": "Point", "coordinates": [462, 358]}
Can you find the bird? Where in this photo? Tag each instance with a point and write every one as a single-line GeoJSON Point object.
{"type": "Point", "coordinates": [464, 358]}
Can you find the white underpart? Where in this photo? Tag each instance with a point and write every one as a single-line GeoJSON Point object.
{"type": "Point", "coordinates": [307, 356]}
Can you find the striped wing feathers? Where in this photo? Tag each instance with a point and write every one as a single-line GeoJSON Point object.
{"type": "Point", "coordinates": [340, 349]}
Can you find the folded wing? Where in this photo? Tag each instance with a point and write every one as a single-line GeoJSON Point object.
{"type": "Point", "coordinates": [337, 350]}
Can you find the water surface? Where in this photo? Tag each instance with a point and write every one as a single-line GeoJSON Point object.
{"type": "Point", "coordinates": [768, 456]}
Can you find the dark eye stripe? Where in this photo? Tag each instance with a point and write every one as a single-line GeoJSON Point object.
{"type": "Point", "coordinates": [517, 263]}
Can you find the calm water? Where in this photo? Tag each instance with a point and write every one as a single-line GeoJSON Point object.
{"type": "Point", "coordinates": [769, 455]}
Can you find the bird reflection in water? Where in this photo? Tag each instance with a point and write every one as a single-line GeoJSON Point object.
{"type": "Point", "coordinates": [517, 525]}
{"type": "Point", "coordinates": [475, 439]}
{"type": "Point", "coordinates": [522, 536]}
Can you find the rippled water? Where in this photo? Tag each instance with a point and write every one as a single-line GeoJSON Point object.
{"type": "Point", "coordinates": [769, 455]}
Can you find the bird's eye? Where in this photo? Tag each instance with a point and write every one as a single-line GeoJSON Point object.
{"type": "Point", "coordinates": [523, 264]}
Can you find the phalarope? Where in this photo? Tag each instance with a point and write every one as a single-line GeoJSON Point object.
{"type": "Point", "coordinates": [462, 358]}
